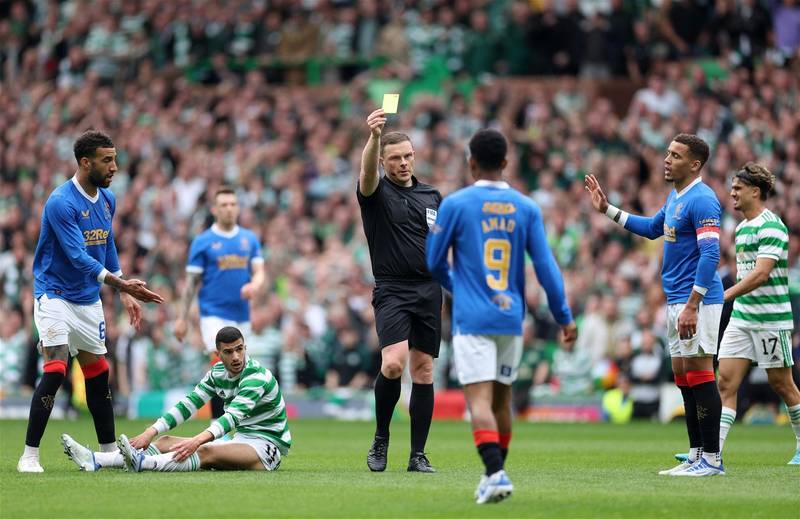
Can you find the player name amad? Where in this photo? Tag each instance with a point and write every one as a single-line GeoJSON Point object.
{"type": "Point", "coordinates": [497, 223]}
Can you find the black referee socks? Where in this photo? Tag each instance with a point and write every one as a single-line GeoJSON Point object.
{"type": "Point", "coordinates": [421, 410]}
{"type": "Point", "coordinates": [387, 393]}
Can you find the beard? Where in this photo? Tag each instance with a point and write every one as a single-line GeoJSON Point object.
{"type": "Point", "coordinates": [97, 178]}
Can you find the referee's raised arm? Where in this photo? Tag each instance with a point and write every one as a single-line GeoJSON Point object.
{"type": "Point", "coordinates": [368, 177]}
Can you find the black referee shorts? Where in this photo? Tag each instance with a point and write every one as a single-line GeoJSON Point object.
{"type": "Point", "coordinates": [409, 311]}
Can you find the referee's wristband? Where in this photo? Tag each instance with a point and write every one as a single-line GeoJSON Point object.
{"type": "Point", "coordinates": [618, 215]}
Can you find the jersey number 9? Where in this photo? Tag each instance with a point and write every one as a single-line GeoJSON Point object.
{"type": "Point", "coordinates": [497, 256]}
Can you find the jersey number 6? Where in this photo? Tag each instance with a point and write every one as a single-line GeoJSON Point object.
{"type": "Point", "coordinates": [496, 256]}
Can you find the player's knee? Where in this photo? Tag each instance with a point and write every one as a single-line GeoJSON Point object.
{"type": "Point", "coordinates": [164, 442]}
{"type": "Point", "coordinates": [392, 368]}
{"type": "Point", "coordinates": [422, 373]}
{"type": "Point", "coordinates": [783, 385]}
{"type": "Point", "coordinates": [483, 416]}
{"type": "Point", "coordinates": [725, 384]}
{"type": "Point", "coordinates": [206, 455]}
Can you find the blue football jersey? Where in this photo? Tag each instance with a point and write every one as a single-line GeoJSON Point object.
{"type": "Point", "coordinates": [689, 222]}
{"type": "Point", "coordinates": [224, 260]}
{"type": "Point", "coordinates": [76, 244]}
{"type": "Point", "coordinates": [490, 227]}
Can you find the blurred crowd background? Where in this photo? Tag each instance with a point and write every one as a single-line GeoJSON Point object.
{"type": "Point", "coordinates": [271, 97]}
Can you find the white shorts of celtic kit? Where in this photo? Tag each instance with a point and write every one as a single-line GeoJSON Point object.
{"type": "Point", "coordinates": [704, 342]}
{"type": "Point", "coordinates": [81, 327]}
{"type": "Point", "coordinates": [268, 453]}
{"type": "Point", "coordinates": [769, 348]}
{"type": "Point", "coordinates": [480, 358]}
{"type": "Point", "coordinates": [211, 324]}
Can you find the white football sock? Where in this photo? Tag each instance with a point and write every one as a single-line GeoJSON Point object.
{"type": "Point", "coordinates": [31, 452]}
{"type": "Point", "coordinates": [794, 417]}
{"type": "Point", "coordinates": [725, 423]}
{"type": "Point", "coordinates": [152, 450]}
{"type": "Point", "coordinates": [109, 460]}
{"type": "Point", "coordinates": [165, 463]}
{"type": "Point", "coordinates": [713, 458]}
{"type": "Point", "coordinates": [695, 453]}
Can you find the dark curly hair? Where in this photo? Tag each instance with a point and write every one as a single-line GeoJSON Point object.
{"type": "Point", "coordinates": [488, 148]}
{"type": "Point", "coordinates": [758, 176]}
{"type": "Point", "coordinates": [88, 142]}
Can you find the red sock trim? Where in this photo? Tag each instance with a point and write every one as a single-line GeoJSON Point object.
{"type": "Point", "coordinates": [95, 368]}
{"type": "Point", "coordinates": [485, 436]}
{"type": "Point", "coordinates": [505, 439]}
{"type": "Point", "coordinates": [695, 378]}
{"type": "Point", "coordinates": [55, 366]}
{"type": "Point", "coordinates": [680, 381]}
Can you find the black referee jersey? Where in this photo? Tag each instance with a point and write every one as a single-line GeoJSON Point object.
{"type": "Point", "coordinates": [396, 221]}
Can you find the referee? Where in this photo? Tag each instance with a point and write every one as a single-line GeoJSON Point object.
{"type": "Point", "coordinates": [397, 211]}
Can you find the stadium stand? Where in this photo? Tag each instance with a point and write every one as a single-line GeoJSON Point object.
{"type": "Point", "coordinates": [269, 96]}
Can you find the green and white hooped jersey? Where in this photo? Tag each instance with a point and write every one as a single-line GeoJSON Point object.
{"type": "Point", "coordinates": [253, 404]}
{"type": "Point", "coordinates": [768, 306]}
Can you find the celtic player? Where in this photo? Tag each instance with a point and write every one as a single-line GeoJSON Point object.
{"type": "Point", "coordinates": [254, 407]}
{"type": "Point", "coordinates": [761, 325]}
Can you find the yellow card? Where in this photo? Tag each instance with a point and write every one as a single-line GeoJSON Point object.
{"type": "Point", "coordinates": [390, 102]}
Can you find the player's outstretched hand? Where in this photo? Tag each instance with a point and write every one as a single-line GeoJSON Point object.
{"type": "Point", "coordinates": [375, 121]}
{"type": "Point", "coordinates": [143, 440]}
{"type": "Point", "coordinates": [136, 288]}
{"type": "Point", "coordinates": [599, 200]}
{"type": "Point", "coordinates": [134, 310]}
{"type": "Point", "coordinates": [569, 333]}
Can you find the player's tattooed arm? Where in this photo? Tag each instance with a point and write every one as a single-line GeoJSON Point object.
{"type": "Point", "coordinates": [256, 285]}
{"type": "Point", "coordinates": [189, 291]}
{"type": "Point", "coordinates": [187, 296]}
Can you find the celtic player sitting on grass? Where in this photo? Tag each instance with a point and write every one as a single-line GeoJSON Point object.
{"type": "Point", "coordinates": [254, 407]}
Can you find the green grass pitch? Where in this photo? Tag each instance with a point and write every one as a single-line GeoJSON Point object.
{"type": "Point", "coordinates": [558, 471]}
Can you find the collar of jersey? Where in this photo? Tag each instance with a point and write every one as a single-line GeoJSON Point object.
{"type": "Point", "coordinates": [690, 186]}
{"type": "Point", "coordinates": [84, 193]}
{"type": "Point", "coordinates": [229, 234]}
{"type": "Point", "coordinates": [499, 184]}
{"type": "Point", "coordinates": [758, 216]}
{"type": "Point", "coordinates": [414, 183]}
